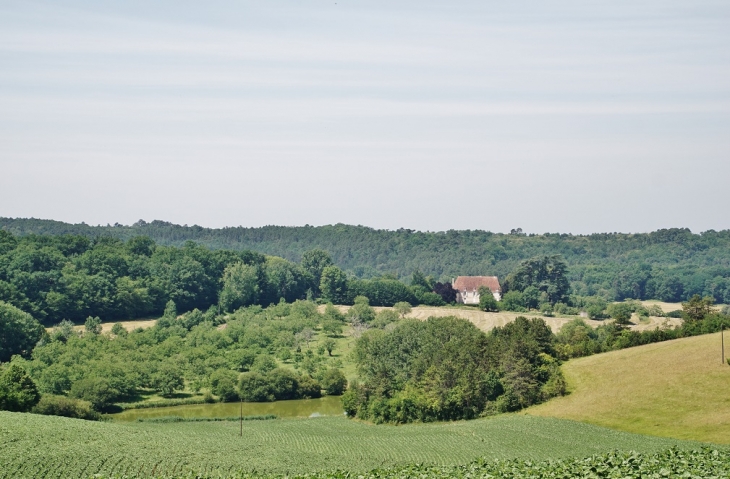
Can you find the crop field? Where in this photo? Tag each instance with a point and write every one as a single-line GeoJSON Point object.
{"type": "Point", "coordinates": [677, 388]}
{"type": "Point", "coordinates": [33, 446]}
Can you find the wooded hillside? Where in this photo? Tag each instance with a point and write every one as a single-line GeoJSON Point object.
{"type": "Point", "coordinates": [670, 265]}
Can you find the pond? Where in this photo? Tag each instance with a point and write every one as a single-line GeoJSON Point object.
{"type": "Point", "coordinates": [326, 406]}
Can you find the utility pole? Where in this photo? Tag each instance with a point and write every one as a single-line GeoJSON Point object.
{"type": "Point", "coordinates": [722, 339]}
{"type": "Point", "coordinates": [240, 416]}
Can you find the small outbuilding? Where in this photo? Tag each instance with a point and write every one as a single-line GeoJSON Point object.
{"type": "Point", "coordinates": [467, 288]}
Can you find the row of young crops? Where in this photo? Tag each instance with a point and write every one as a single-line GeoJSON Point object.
{"type": "Point", "coordinates": [673, 463]}
{"type": "Point", "coordinates": [33, 446]}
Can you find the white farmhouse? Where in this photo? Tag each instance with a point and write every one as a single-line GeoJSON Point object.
{"type": "Point", "coordinates": [467, 288]}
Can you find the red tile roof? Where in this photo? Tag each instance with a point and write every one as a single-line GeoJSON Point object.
{"type": "Point", "coordinates": [472, 283]}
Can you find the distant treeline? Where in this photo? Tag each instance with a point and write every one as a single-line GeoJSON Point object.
{"type": "Point", "coordinates": [670, 265]}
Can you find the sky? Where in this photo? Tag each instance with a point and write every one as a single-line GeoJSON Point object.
{"type": "Point", "coordinates": [562, 116]}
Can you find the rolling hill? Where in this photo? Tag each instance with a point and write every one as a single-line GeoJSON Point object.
{"type": "Point", "coordinates": [676, 388]}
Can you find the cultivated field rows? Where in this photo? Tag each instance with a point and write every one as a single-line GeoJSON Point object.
{"type": "Point", "coordinates": [34, 446]}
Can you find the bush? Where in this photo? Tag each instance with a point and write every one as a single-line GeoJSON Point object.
{"type": "Point", "coordinates": [354, 399]}
{"type": "Point", "coordinates": [223, 385]}
{"type": "Point", "coordinates": [62, 406]}
{"type": "Point", "coordinates": [96, 391]}
{"type": "Point", "coordinates": [167, 379]}
{"type": "Point", "coordinates": [92, 325]}
{"type": "Point", "coordinates": [278, 384]}
{"type": "Point", "coordinates": [621, 312]}
{"type": "Point", "coordinates": [264, 363]}
{"type": "Point", "coordinates": [431, 299]}
{"type": "Point", "coordinates": [487, 301]}
{"type": "Point", "coordinates": [595, 307]}
{"type": "Point", "coordinates": [118, 330]}
{"type": "Point", "coordinates": [308, 388]}
{"type": "Point", "coordinates": [284, 384]}
{"type": "Point", "coordinates": [384, 318]}
{"type": "Point", "coordinates": [513, 301]}
{"type": "Point", "coordinates": [334, 382]}
{"type": "Point", "coordinates": [255, 387]}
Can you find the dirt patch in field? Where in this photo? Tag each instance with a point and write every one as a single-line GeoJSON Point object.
{"type": "Point", "coordinates": [128, 325]}
{"type": "Point", "coordinates": [666, 307]}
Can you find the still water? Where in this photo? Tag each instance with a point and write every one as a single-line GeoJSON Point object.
{"type": "Point", "coordinates": [326, 406]}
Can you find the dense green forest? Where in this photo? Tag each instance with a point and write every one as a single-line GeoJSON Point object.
{"type": "Point", "coordinates": [73, 277]}
{"type": "Point", "coordinates": [670, 265]}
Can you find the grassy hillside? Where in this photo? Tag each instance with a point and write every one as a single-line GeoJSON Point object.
{"type": "Point", "coordinates": [43, 446]}
{"type": "Point", "coordinates": [676, 389]}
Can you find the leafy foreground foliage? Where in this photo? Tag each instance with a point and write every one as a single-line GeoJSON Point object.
{"type": "Point", "coordinates": [33, 446]}
{"type": "Point", "coordinates": [705, 464]}
{"type": "Point", "coordinates": [697, 464]}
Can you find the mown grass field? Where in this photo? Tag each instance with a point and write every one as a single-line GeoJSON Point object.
{"type": "Point", "coordinates": [676, 388]}
{"type": "Point", "coordinates": [33, 446]}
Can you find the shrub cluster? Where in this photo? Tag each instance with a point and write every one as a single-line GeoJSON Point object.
{"type": "Point", "coordinates": [67, 407]}
{"type": "Point", "coordinates": [577, 338]}
{"type": "Point", "coordinates": [447, 369]}
{"type": "Point", "coordinates": [276, 385]}
{"type": "Point", "coordinates": [104, 370]}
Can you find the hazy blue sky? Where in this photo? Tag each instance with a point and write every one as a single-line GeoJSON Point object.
{"type": "Point", "coordinates": [569, 116]}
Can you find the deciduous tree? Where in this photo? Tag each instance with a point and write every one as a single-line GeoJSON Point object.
{"type": "Point", "coordinates": [698, 307]}
{"type": "Point", "coordinates": [486, 300]}
{"type": "Point", "coordinates": [18, 392]}
{"type": "Point", "coordinates": [240, 286]}
{"type": "Point", "coordinates": [92, 325]}
{"type": "Point", "coordinates": [19, 332]}
{"type": "Point", "coordinates": [333, 285]}
{"type": "Point", "coordinates": [403, 308]}
{"type": "Point", "coordinates": [314, 262]}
